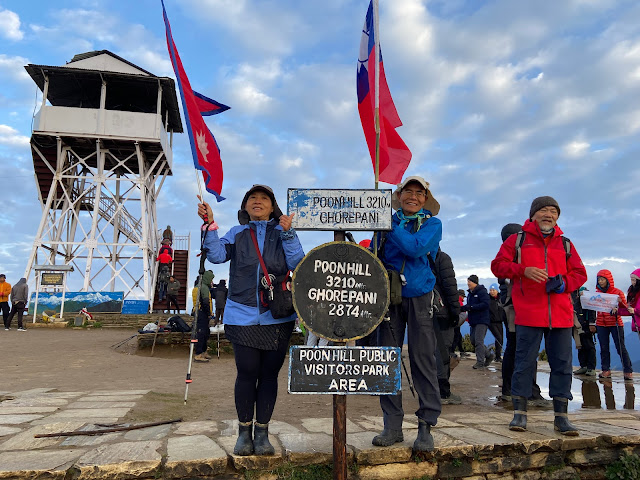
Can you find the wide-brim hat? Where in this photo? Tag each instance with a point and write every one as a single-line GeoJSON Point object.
{"type": "Point", "coordinates": [431, 204]}
{"type": "Point", "coordinates": [243, 215]}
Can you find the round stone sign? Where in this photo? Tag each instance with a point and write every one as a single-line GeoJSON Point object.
{"type": "Point", "coordinates": [340, 291]}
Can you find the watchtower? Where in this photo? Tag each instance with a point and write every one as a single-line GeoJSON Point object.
{"type": "Point", "coordinates": [101, 147]}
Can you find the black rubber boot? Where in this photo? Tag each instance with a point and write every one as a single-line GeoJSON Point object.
{"type": "Point", "coordinates": [261, 443]}
{"type": "Point", "coordinates": [519, 422]}
{"type": "Point", "coordinates": [244, 445]}
{"type": "Point", "coordinates": [561, 422]}
{"type": "Point", "coordinates": [388, 437]}
{"type": "Point", "coordinates": [424, 441]}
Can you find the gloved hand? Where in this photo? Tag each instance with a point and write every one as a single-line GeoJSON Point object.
{"type": "Point", "coordinates": [555, 284]}
{"type": "Point", "coordinates": [464, 308]}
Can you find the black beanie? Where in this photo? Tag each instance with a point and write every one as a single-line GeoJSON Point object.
{"type": "Point", "coordinates": [474, 279]}
{"type": "Point", "coordinates": [542, 202]}
{"type": "Point", "coordinates": [509, 229]}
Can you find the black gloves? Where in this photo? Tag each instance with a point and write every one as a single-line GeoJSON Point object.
{"type": "Point", "coordinates": [555, 284]}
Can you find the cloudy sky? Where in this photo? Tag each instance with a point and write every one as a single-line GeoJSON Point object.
{"type": "Point", "coordinates": [501, 101]}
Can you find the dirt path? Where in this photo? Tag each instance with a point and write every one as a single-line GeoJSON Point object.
{"type": "Point", "coordinates": [84, 360]}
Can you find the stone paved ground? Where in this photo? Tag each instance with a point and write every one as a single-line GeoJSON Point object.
{"type": "Point", "coordinates": [202, 446]}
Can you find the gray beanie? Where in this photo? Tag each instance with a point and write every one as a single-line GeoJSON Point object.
{"type": "Point", "coordinates": [541, 202]}
{"type": "Point", "coordinates": [474, 279]}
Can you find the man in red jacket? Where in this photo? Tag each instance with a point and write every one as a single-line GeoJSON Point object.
{"type": "Point", "coordinates": [544, 268]}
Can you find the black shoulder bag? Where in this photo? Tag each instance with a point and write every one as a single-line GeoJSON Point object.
{"type": "Point", "coordinates": [276, 290]}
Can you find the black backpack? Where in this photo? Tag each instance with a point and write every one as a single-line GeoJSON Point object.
{"type": "Point", "coordinates": [177, 324]}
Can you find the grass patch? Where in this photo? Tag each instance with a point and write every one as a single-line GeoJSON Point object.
{"type": "Point", "coordinates": [291, 472]}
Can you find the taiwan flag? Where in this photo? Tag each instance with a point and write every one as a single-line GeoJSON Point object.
{"type": "Point", "coordinates": [394, 153]}
{"type": "Point", "coordinates": [204, 148]}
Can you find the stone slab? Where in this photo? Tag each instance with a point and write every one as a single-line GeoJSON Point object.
{"type": "Point", "coordinates": [121, 460]}
{"type": "Point", "coordinates": [33, 464]}
{"type": "Point", "coordinates": [476, 437]}
{"type": "Point", "coordinates": [308, 448]}
{"type": "Point", "coordinates": [325, 425]}
{"type": "Point", "coordinates": [443, 422]}
{"type": "Point", "coordinates": [102, 405]}
{"type": "Point", "coordinates": [4, 431]}
{"type": "Point", "coordinates": [35, 401]}
{"type": "Point", "coordinates": [26, 410]}
{"type": "Point", "coordinates": [18, 419]}
{"type": "Point", "coordinates": [606, 429]}
{"type": "Point", "coordinates": [196, 456]}
{"type": "Point", "coordinates": [374, 423]}
{"type": "Point", "coordinates": [119, 392]}
{"type": "Point", "coordinates": [368, 454]}
{"type": "Point", "coordinates": [109, 398]}
{"type": "Point", "coordinates": [26, 440]}
{"type": "Point", "coordinates": [150, 433]}
{"type": "Point", "coordinates": [395, 471]}
{"type": "Point", "coordinates": [91, 440]}
{"type": "Point", "coordinates": [31, 392]}
{"type": "Point", "coordinates": [253, 462]}
{"type": "Point", "coordinates": [94, 413]}
{"type": "Point", "coordinates": [55, 418]}
{"type": "Point", "coordinates": [196, 428]}
{"type": "Point", "coordinates": [634, 424]}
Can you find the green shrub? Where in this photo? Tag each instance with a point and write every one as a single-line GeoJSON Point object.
{"type": "Point", "coordinates": [627, 468]}
{"type": "Point", "coordinates": [466, 344]}
{"type": "Point", "coordinates": [542, 356]}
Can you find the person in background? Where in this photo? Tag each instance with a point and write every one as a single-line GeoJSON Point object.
{"type": "Point", "coordinates": [173, 287]}
{"type": "Point", "coordinates": [610, 324]}
{"type": "Point", "coordinates": [5, 291]}
{"type": "Point", "coordinates": [457, 335]}
{"type": "Point", "coordinates": [19, 298]}
{"type": "Point", "coordinates": [587, 349]}
{"type": "Point", "coordinates": [633, 301]}
{"type": "Point", "coordinates": [415, 233]}
{"type": "Point", "coordinates": [203, 332]}
{"type": "Point", "coordinates": [543, 267]}
{"type": "Point", "coordinates": [220, 293]}
{"type": "Point", "coordinates": [497, 317]}
{"type": "Point", "coordinates": [260, 341]}
{"type": "Point", "coordinates": [478, 309]}
{"type": "Point", "coordinates": [168, 235]}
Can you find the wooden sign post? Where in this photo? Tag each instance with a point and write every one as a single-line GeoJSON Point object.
{"type": "Point", "coordinates": [341, 293]}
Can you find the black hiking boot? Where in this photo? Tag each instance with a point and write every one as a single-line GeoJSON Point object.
{"type": "Point", "coordinates": [519, 422]}
{"type": "Point", "coordinates": [261, 443]}
{"type": "Point", "coordinates": [244, 445]}
{"type": "Point", "coordinates": [388, 437]}
{"type": "Point", "coordinates": [424, 441]}
{"type": "Point", "coordinates": [561, 422]}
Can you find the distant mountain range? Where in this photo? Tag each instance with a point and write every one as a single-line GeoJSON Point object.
{"type": "Point", "coordinates": [631, 341]}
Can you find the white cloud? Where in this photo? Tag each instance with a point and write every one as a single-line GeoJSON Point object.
{"type": "Point", "coordinates": [576, 148]}
{"type": "Point", "coordinates": [10, 136]}
{"type": "Point", "coordinates": [13, 68]}
{"type": "Point", "coordinates": [10, 25]}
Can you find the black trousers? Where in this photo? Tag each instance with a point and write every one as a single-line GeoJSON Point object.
{"type": "Point", "coordinates": [172, 299]}
{"type": "Point", "coordinates": [219, 316]}
{"type": "Point", "coordinates": [508, 363]}
{"type": "Point", "coordinates": [497, 330]}
{"type": "Point", "coordinates": [587, 353]}
{"type": "Point", "coordinates": [4, 306]}
{"type": "Point", "coordinates": [457, 340]}
{"type": "Point", "coordinates": [202, 326]}
{"type": "Point", "coordinates": [257, 381]}
{"type": "Point", "coordinates": [415, 316]}
{"type": "Point", "coordinates": [15, 308]}
{"type": "Point", "coordinates": [444, 340]}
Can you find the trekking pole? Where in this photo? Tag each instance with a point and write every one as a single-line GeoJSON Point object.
{"type": "Point", "coordinates": [404, 367]}
{"type": "Point", "coordinates": [196, 308]}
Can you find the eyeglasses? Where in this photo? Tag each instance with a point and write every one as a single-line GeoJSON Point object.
{"type": "Point", "coordinates": [414, 193]}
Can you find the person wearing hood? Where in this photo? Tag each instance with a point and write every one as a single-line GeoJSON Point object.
{"type": "Point", "coordinates": [610, 324]}
{"type": "Point", "coordinates": [477, 306]}
{"type": "Point", "coordinates": [5, 291]}
{"type": "Point", "coordinates": [220, 293]}
{"type": "Point", "coordinates": [543, 267]}
{"type": "Point", "coordinates": [203, 296]}
{"type": "Point", "coordinates": [168, 234]}
{"type": "Point", "coordinates": [260, 341]}
{"type": "Point", "coordinates": [19, 298]}
{"type": "Point", "coordinates": [497, 317]}
{"type": "Point", "coordinates": [415, 233]}
{"type": "Point", "coordinates": [633, 301]}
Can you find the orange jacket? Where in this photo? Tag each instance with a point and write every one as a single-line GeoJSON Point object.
{"type": "Point", "coordinates": [606, 319]}
{"type": "Point", "coordinates": [5, 290]}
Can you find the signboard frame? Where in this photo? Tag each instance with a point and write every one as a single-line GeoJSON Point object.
{"type": "Point", "coordinates": [51, 278]}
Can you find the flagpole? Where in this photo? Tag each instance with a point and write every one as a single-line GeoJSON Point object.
{"type": "Point", "coordinates": [376, 36]}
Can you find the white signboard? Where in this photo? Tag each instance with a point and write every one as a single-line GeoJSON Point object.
{"type": "Point", "coordinates": [600, 302]}
{"type": "Point", "coordinates": [334, 209]}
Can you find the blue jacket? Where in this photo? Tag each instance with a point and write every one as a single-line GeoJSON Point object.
{"type": "Point", "coordinates": [478, 303]}
{"type": "Point", "coordinates": [403, 244]}
{"type": "Point", "coordinates": [280, 255]}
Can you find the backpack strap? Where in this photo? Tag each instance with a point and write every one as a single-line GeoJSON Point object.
{"type": "Point", "coordinates": [517, 258]}
{"type": "Point", "coordinates": [567, 247]}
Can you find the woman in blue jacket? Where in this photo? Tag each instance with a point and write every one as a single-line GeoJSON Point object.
{"type": "Point", "coordinates": [260, 342]}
